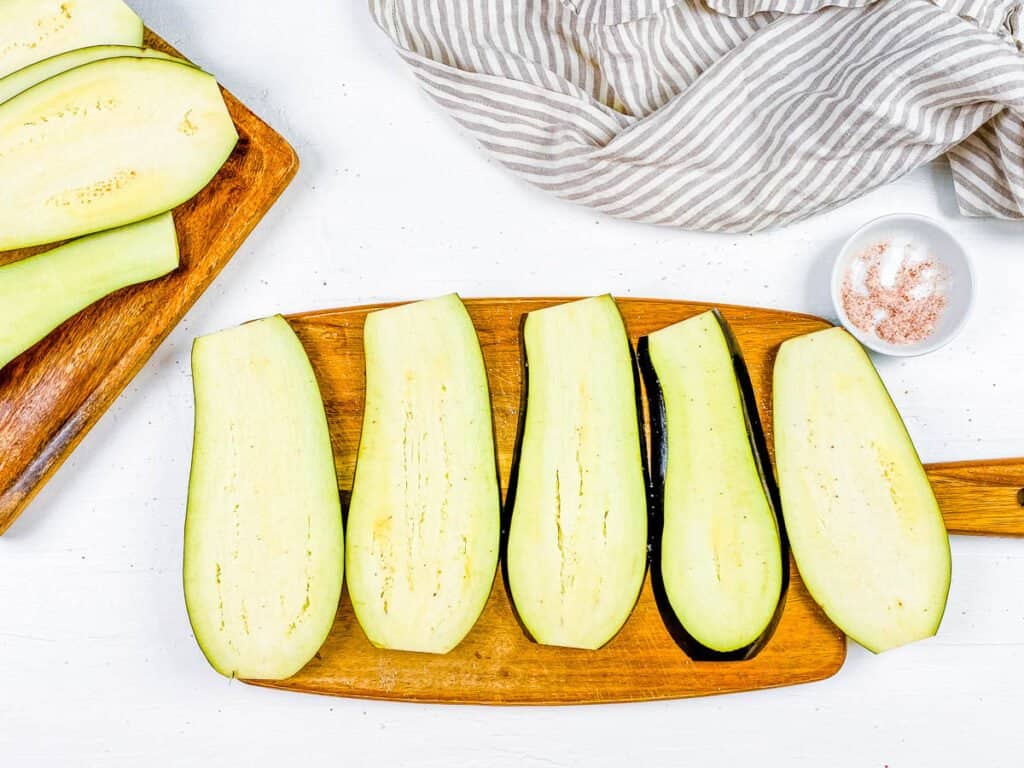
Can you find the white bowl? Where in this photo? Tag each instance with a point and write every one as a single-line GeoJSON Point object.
{"type": "Point", "coordinates": [945, 248]}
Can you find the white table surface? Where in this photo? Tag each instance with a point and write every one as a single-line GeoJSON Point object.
{"type": "Point", "coordinates": [97, 662]}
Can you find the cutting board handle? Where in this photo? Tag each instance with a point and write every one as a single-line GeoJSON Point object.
{"type": "Point", "coordinates": [981, 497]}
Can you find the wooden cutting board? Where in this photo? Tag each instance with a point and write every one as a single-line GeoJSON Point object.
{"type": "Point", "coordinates": [497, 664]}
{"type": "Point", "coordinates": [52, 395]}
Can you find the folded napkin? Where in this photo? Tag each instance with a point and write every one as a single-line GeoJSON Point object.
{"type": "Point", "coordinates": [729, 115]}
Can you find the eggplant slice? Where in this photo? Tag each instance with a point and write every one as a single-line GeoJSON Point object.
{"type": "Point", "coordinates": [34, 74]}
{"type": "Point", "coordinates": [866, 531]}
{"type": "Point", "coordinates": [424, 521]}
{"type": "Point", "coordinates": [719, 563]}
{"type": "Point", "coordinates": [40, 292]}
{"type": "Point", "coordinates": [106, 144]}
{"type": "Point", "coordinates": [264, 550]}
{"type": "Point", "coordinates": [577, 544]}
{"type": "Point", "coordinates": [31, 30]}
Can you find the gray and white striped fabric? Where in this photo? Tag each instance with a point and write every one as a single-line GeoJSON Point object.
{"type": "Point", "coordinates": [729, 115]}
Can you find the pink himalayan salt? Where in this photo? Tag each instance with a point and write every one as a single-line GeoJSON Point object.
{"type": "Point", "coordinates": [898, 314]}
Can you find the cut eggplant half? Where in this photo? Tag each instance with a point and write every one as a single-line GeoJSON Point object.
{"type": "Point", "coordinates": [718, 564]}
{"type": "Point", "coordinates": [577, 543]}
{"type": "Point", "coordinates": [33, 74]}
{"type": "Point", "coordinates": [32, 30]}
{"type": "Point", "coordinates": [424, 521]}
{"type": "Point", "coordinates": [39, 293]}
{"type": "Point", "coordinates": [866, 531]}
{"type": "Point", "coordinates": [264, 549]}
{"type": "Point", "coordinates": [107, 144]}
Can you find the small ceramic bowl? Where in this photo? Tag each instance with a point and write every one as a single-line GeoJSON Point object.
{"type": "Point", "coordinates": [933, 239]}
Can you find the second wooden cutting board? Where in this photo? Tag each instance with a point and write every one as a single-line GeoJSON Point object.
{"type": "Point", "coordinates": [53, 394]}
{"type": "Point", "coordinates": [497, 663]}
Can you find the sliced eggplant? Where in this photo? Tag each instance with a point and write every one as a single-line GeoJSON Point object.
{"type": "Point", "coordinates": [577, 544]}
{"type": "Point", "coordinates": [424, 521]}
{"type": "Point", "coordinates": [106, 144]}
{"type": "Point", "coordinates": [32, 30]}
{"type": "Point", "coordinates": [718, 565]}
{"type": "Point", "coordinates": [866, 531]}
{"type": "Point", "coordinates": [33, 74]}
{"type": "Point", "coordinates": [264, 549]}
{"type": "Point", "coordinates": [39, 293]}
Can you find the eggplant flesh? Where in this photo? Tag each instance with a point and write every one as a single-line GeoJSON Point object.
{"type": "Point", "coordinates": [106, 144]}
{"type": "Point", "coordinates": [31, 30]}
{"type": "Point", "coordinates": [577, 541]}
{"type": "Point", "coordinates": [264, 546]}
{"type": "Point", "coordinates": [866, 531]}
{"type": "Point", "coordinates": [425, 515]}
{"type": "Point", "coordinates": [719, 563]}
{"type": "Point", "coordinates": [40, 292]}
{"type": "Point", "coordinates": [33, 74]}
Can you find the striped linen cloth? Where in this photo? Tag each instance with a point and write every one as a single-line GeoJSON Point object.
{"type": "Point", "coordinates": [729, 115]}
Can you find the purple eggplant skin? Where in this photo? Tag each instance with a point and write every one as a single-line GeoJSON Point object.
{"type": "Point", "coordinates": [513, 480]}
{"type": "Point", "coordinates": [659, 463]}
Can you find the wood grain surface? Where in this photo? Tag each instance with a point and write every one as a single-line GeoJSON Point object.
{"type": "Point", "coordinates": [497, 663]}
{"type": "Point", "coordinates": [981, 497]}
{"type": "Point", "coordinates": [55, 392]}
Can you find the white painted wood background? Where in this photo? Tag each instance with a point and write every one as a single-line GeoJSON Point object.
{"type": "Point", "coordinates": [97, 662]}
